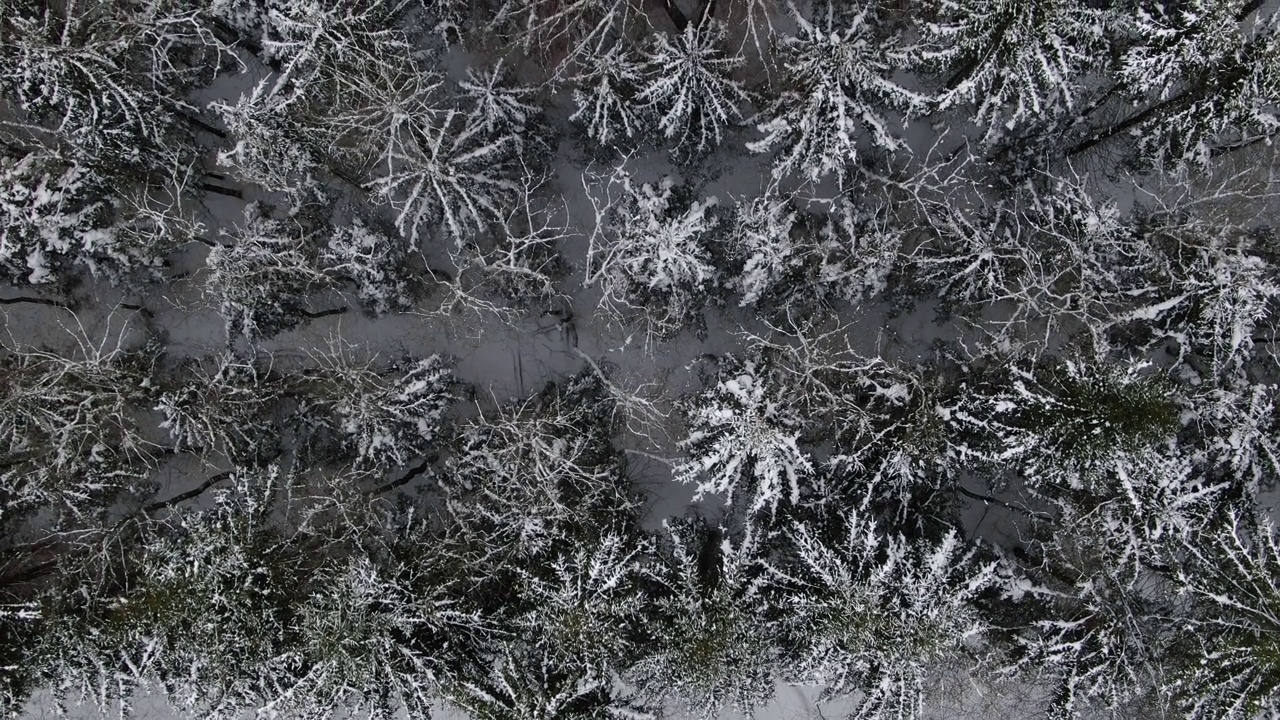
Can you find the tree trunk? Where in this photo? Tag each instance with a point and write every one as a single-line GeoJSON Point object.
{"type": "Point", "coordinates": [412, 473]}
{"type": "Point", "coordinates": [970, 67]}
{"type": "Point", "coordinates": [33, 301]}
{"type": "Point", "coordinates": [218, 189]}
{"type": "Point", "coordinates": [1249, 9]}
{"type": "Point", "coordinates": [677, 16]}
{"type": "Point", "coordinates": [199, 489]}
{"type": "Point", "coordinates": [1228, 149]}
{"type": "Point", "coordinates": [1004, 504]}
{"type": "Point", "coordinates": [1186, 98]}
{"type": "Point", "coordinates": [316, 314]}
{"type": "Point", "coordinates": [202, 125]}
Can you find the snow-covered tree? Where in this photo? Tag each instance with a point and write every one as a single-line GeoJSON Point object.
{"type": "Point", "coordinates": [380, 418]}
{"type": "Point", "coordinates": [447, 170]}
{"type": "Point", "coordinates": [151, 222]}
{"type": "Point", "coordinates": [890, 440]}
{"type": "Point", "coordinates": [18, 621]}
{"type": "Point", "coordinates": [1133, 524]}
{"type": "Point", "coordinates": [529, 477]}
{"type": "Point", "coordinates": [518, 267]}
{"type": "Point", "coordinates": [649, 252]}
{"type": "Point", "coordinates": [504, 109]}
{"type": "Point", "coordinates": [306, 41]}
{"type": "Point", "coordinates": [357, 646]}
{"type": "Point", "coordinates": [344, 83]}
{"type": "Point", "coordinates": [1202, 76]}
{"type": "Point", "coordinates": [1237, 435]}
{"type": "Point", "coordinates": [766, 237]}
{"type": "Point", "coordinates": [526, 683]}
{"type": "Point", "coordinates": [887, 441]}
{"type": "Point", "coordinates": [271, 147]}
{"type": "Point", "coordinates": [604, 93]}
{"type": "Point", "coordinates": [798, 264]}
{"type": "Point", "coordinates": [837, 73]}
{"type": "Point", "coordinates": [744, 436]}
{"type": "Point", "coordinates": [376, 262]}
{"type": "Point", "coordinates": [860, 246]}
{"type": "Point", "coordinates": [536, 494]}
{"type": "Point", "coordinates": [197, 604]}
{"type": "Point", "coordinates": [1014, 61]}
{"type": "Point", "coordinates": [53, 213]}
{"type": "Point", "coordinates": [689, 88]}
{"type": "Point", "coordinates": [1068, 422]}
{"type": "Point", "coordinates": [870, 612]}
{"type": "Point", "coordinates": [584, 607]}
{"type": "Point", "coordinates": [1213, 285]}
{"type": "Point", "coordinates": [221, 406]}
{"type": "Point", "coordinates": [439, 153]}
{"type": "Point", "coordinates": [69, 423]}
{"type": "Point", "coordinates": [1051, 252]}
{"type": "Point", "coordinates": [59, 215]}
{"type": "Point", "coordinates": [109, 78]}
{"type": "Point", "coordinates": [566, 32]}
{"type": "Point", "coordinates": [1079, 260]}
{"type": "Point", "coordinates": [716, 642]}
{"type": "Point", "coordinates": [278, 595]}
{"type": "Point", "coordinates": [1234, 585]}
{"type": "Point", "coordinates": [974, 256]}
{"type": "Point", "coordinates": [1101, 643]}
{"type": "Point", "coordinates": [262, 277]}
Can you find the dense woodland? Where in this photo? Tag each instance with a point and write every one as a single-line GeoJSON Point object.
{"type": "Point", "coordinates": [1079, 197]}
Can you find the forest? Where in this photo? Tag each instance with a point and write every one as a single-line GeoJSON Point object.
{"type": "Point", "coordinates": [640, 359]}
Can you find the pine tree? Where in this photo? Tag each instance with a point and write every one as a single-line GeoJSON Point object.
{"type": "Point", "coordinates": [744, 440]}
{"type": "Point", "coordinates": [1234, 583]}
{"type": "Point", "coordinates": [890, 440]}
{"type": "Point", "coordinates": [1215, 285]}
{"type": "Point", "coordinates": [606, 84]}
{"type": "Point", "coordinates": [262, 279]}
{"type": "Point", "coordinates": [650, 252]}
{"type": "Point", "coordinates": [586, 603]}
{"type": "Point", "coordinates": [378, 418]}
{"type": "Point", "coordinates": [1235, 435]}
{"type": "Point", "coordinates": [870, 612]}
{"type": "Point", "coordinates": [1202, 76]}
{"type": "Point", "coordinates": [197, 605]}
{"type": "Point", "coordinates": [536, 495]}
{"type": "Point", "coordinates": [504, 109]}
{"type": "Point", "coordinates": [795, 264]}
{"type": "Point", "coordinates": [880, 425]}
{"type": "Point", "coordinates": [448, 170]}
{"type": "Point", "coordinates": [1015, 62]}
{"type": "Point", "coordinates": [715, 639]}
{"type": "Point", "coordinates": [767, 240]}
{"type": "Point", "coordinates": [689, 88]}
{"type": "Point", "coordinates": [1100, 642]}
{"type": "Point", "coordinates": [110, 79]}
{"type": "Point", "coordinates": [356, 642]}
{"type": "Point", "coordinates": [837, 72]}
{"type": "Point", "coordinates": [1069, 422]}
{"type": "Point", "coordinates": [54, 212]}
{"type": "Point", "coordinates": [525, 684]}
